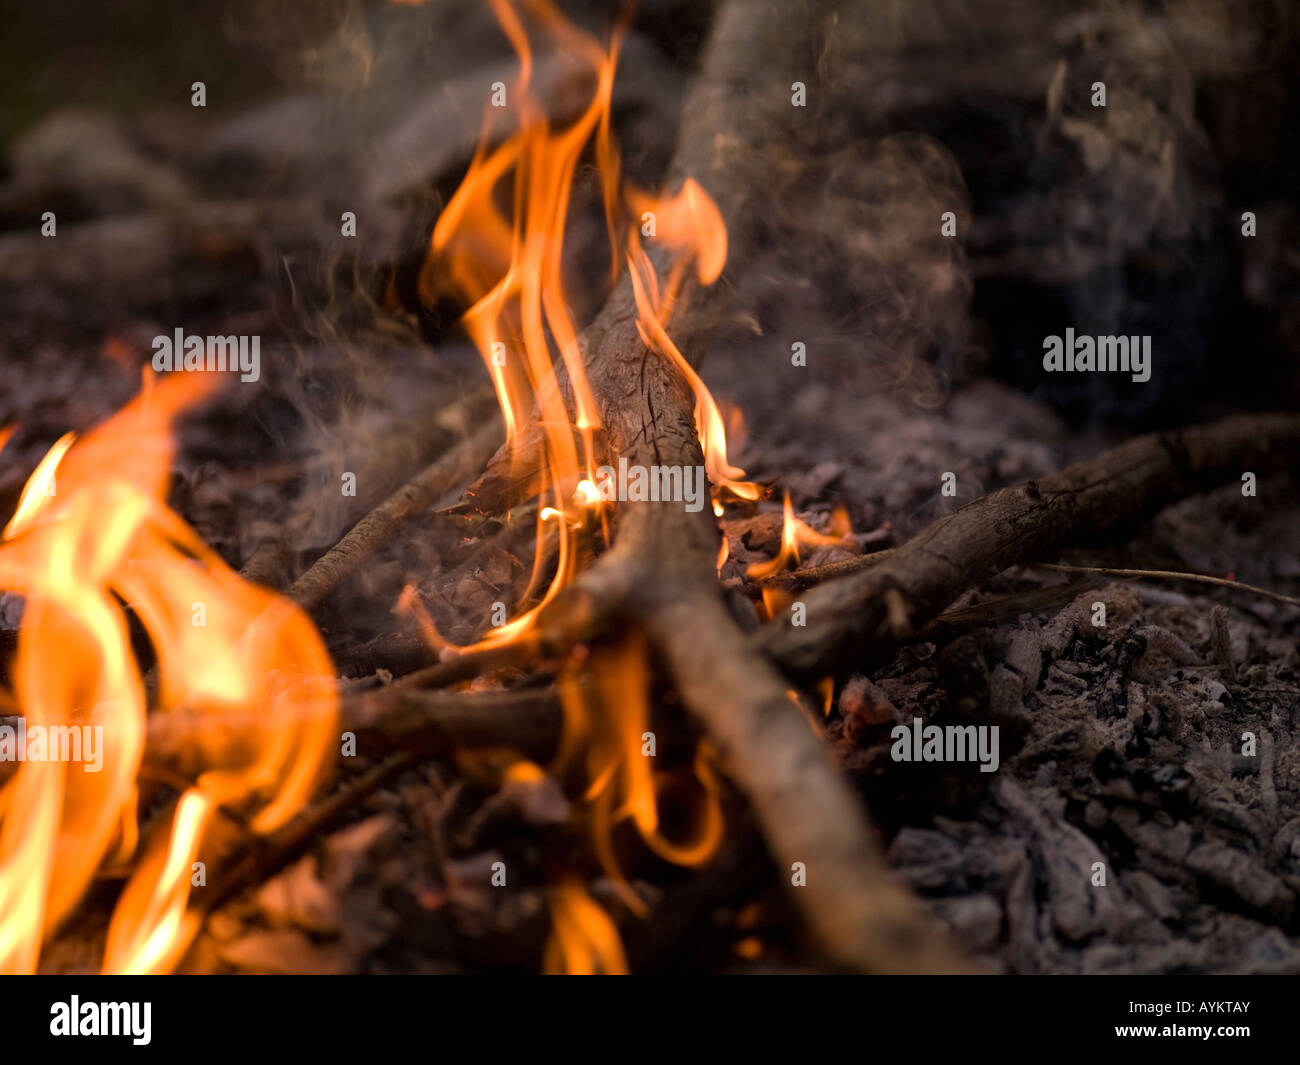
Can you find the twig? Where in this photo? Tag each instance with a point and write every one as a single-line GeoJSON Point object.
{"type": "Point", "coordinates": [381, 468]}
{"type": "Point", "coordinates": [267, 855]}
{"type": "Point", "coordinates": [465, 666]}
{"type": "Point", "coordinates": [433, 722]}
{"type": "Point", "coordinates": [395, 718]}
{"type": "Point", "coordinates": [1174, 575]}
{"type": "Point", "coordinates": [381, 526]}
{"type": "Point", "coordinates": [799, 579]}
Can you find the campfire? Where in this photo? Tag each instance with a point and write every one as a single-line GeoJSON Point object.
{"type": "Point", "coordinates": [564, 491]}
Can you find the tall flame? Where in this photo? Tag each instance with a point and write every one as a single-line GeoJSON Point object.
{"type": "Point", "coordinates": [613, 720]}
{"type": "Point", "coordinates": [585, 941]}
{"type": "Point", "coordinates": [90, 541]}
{"type": "Point", "coordinates": [499, 243]}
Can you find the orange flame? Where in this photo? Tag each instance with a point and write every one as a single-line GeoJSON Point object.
{"type": "Point", "coordinates": [613, 719]}
{"type": "Point", "coordinates": [690, 225]}
{"type": "Point", "coordinates": [39, 485]}
{"type": "Point", "coordinates": [584, 941]}
{"type": "Point", "coordinates": [499, 243]}
{"type": "Point", "coordinates": [102, 539]}
{"type": "Point", "coordinates": [794, 534]}
{"type": "Point", "coordinates": [509, 265]}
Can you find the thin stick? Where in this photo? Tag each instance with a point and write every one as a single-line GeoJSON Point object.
{"type": "Point", "coordinates": [390, 719]}
{"type": "Point", "coordinates": [382, 468]}
{"type": "Point", "coordinates": [528, 720]}
{"type": "Point", "coordinates": [1174, 575]}
{"type": "Point", "coordinates": [265, 856]}
{"type": "Point", "coordinates": [799, 579]}
{"type": "Point", "coordinates": [381, 526]}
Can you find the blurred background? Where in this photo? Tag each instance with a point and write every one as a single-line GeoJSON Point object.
{"type": "Point", "coordinates": [1125, 219]}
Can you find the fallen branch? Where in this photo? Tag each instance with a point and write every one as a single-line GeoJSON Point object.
{"type": "Point", "coordinates": [381, 526]}
{"type": "Point", "coordinates": [264, 856]}
{"type": "Point", "coordinates": [527, 720]}
{"type": "Point", "coordinates": [867, 616]}
{"type": "Point", "coordinates": [661, 573]}
{"type": "Point", "coordinates": [396, 718]}
{"type": "Point", "coordinates": [801, 579]}
{"type": "Point", "coordinates": [381, 471]}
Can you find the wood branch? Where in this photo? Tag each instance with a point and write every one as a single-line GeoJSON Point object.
{"type": "Point", "coordinates": [848, 622]}
{"type": "Point", "coordinates": [862, 916]}
{"type": "Point", "coordinates": [264, 856]}
{"type": "Point", "coordinates": [382, 470]}
{"type": "Point", "coordinates": [397, 652]}
{"type": "Point", "coordinates": [801, 579]}
{"type": "Point", "coordinates": [528, 720]}
{"type": "Point", "coordinates": [381, 526]}
{"type": "Point", "coordinates": [465, 666]}
{"type": "Point", "coordinates": [661, 569]}
{"type": "Point", "coordinates": [396, 718]}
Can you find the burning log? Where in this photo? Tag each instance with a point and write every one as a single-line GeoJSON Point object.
{"type": "Point", "coordinates": [661, 570]}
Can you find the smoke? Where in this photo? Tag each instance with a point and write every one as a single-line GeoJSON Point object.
{"type": "Point", "coordinates": [1096, 141]}
{"type": "Point", "coordinates": [384, 107]}
{"type": "Point", "coordinates": [939, 142]}
{"type": "Point", "coordinates": [861, 255]}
